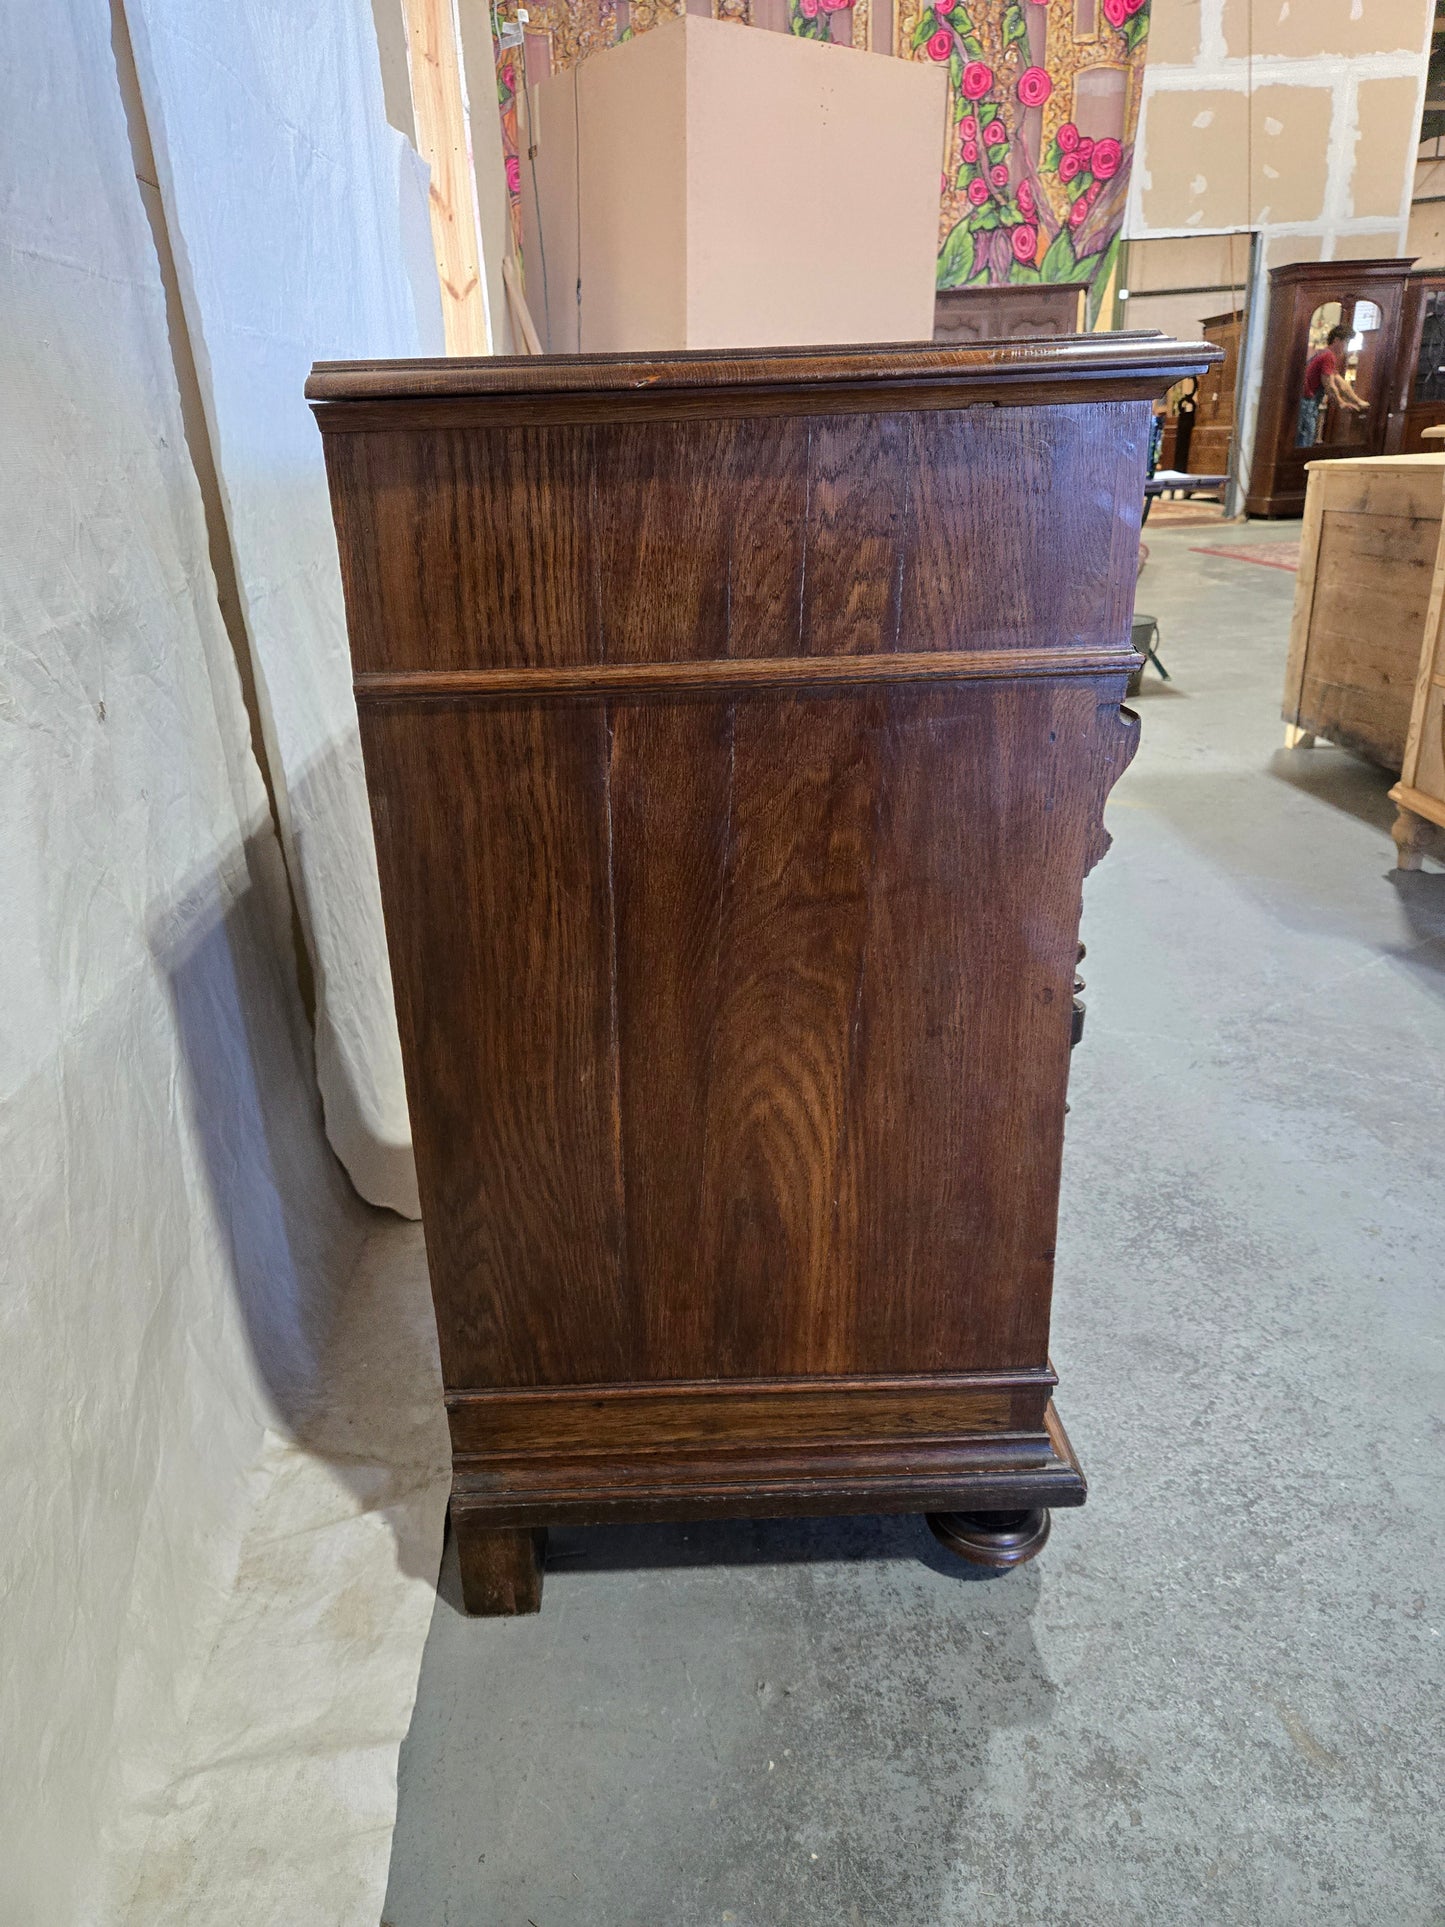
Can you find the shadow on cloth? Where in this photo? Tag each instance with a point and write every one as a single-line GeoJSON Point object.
{"type": "Point", "coordinates": [292, 1226]}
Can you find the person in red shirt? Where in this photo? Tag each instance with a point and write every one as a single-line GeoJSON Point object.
{"type": "Point", "coordinates": [1325, 376]}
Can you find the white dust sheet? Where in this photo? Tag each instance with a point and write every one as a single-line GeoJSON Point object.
{"type": "Point", "coordinates": [219, 1535]}
{"type": "Point", "coordinates": [300, 227]}
{"type": "Point", "coordinates": [281, 1807]}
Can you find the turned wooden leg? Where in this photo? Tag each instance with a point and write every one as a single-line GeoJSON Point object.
{"type": "Point", "coordinates": [501, 1570]}
{"type": "Point", "coordinates": [1412, 835]}
{"type": "Point", "coordinates": [998, 1539]}
{"type": "Point", "coordinates": [1297, 738]}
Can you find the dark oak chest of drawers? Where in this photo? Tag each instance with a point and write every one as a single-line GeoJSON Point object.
{"type": "Point", "coordinates": [738, 730]}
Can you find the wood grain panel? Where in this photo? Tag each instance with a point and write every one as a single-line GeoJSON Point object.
{"type": "Point", "coordinates": [695, 574]}
{"type": "Point", "coordinates": [671, 778]}
{"type": "Point", "coordinates": [492, 838]}
{"type": "Point", "coordinates": [663, 545]}
{"type": "Point", "coordinates": [859, 484]}
{"type": "Point", "coordinates": [955, 1119]}
{"type": "Point", "coordinates": [1050, 555]}
{"type": "Point", "coordinates": [467, 550]}
{"type": "Point", "coordinates": [767, 484]}
{"type": "Point", "coordinates": [777, 1257]}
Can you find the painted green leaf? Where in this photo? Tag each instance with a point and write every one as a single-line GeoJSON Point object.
{"type": "Point", "coordinates": [1060, 262]}
{"type": "Point", "coordinates": [955, 68]}
{"type": "Point", "coordinates": [925, 30]}
{"type": "Point", "coordinates": [1021, 273]}
{"type": "Point", "coordinates": [955, 260]}
{"type": "Point", "coordinates": [1100, 281]}
{"type": "Point", "coordinates": [983, 218]}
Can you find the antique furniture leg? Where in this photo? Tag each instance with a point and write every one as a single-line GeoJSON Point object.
{"type": "Point", "coordinates": [1413, 837]}
{"type": "Point", "coordinates": [998, 1539]}
{"type": "Point", "coordinates": [1297, 738]}
{"type": "Point", "coordinates": [501, 1569]}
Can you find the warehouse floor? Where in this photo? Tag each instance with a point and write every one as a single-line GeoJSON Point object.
{"type": "Point", "coordinates": [1215, 1697]}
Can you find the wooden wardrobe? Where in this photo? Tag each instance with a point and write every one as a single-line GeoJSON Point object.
{"type": "Point", "coordinates": [1305, 298]}
{"type": "Point", "coordinates": [738, 729]}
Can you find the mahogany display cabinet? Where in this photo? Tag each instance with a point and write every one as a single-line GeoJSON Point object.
{"type": "Point", "coordinates": [1307, 299]}
{"type": "Point", "coordinates": [1419, 398]}
{"type": "Point", "coordinates": [738, 729]}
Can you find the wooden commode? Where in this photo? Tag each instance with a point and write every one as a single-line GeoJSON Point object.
{"type": "Point", "coordinates": [738, 730]}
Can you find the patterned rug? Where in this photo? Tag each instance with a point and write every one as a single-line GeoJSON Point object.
{"type": "Point", "coordinates": [1270, 555]}
{"type": "Point", "coordinates": [1165, 514]}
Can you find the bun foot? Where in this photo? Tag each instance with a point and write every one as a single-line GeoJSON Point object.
{"type": "Point", "coordinates": [997, 1539]}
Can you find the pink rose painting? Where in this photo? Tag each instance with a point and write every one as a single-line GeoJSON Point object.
{"type": "Point", "coordinates": [1028, 179]}
{"type": "Point", "coordinates": [1035, 86]}
{"type": "Point", "coordinates": [514, 174]}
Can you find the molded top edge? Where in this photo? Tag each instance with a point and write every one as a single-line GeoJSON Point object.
{"type": "Point", "coordinates": [1147, 356]}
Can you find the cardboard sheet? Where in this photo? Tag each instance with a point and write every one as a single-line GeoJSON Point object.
{"type": "Point", "coordinates": [300, 227]}
{"type": "Point", "coordinates": [174, 1233]}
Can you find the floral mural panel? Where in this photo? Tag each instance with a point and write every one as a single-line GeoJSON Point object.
{"type": "Point", "coordinates": [1043, 104]}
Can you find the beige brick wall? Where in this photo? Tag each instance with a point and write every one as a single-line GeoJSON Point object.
{"type": "Point", "coordinates": [1296, 118]}
{"type": "Point", "coordinates": [1314, 29]}
{"type": "Point", "coordinates": [1387, 111]}
{"type": "Point", "coordinates": [1174, 32]}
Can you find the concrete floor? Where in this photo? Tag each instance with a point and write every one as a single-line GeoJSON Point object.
{"type": "Point", "coordinates": [1215, 1698]}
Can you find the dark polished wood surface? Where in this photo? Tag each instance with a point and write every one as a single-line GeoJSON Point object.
{"type": "Point", "coordinates": [963, 317]}
{"type": "Point", "coordinates": [734, 768]}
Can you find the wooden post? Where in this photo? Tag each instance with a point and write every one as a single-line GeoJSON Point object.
{"type": "Point", "coordinates": [523, 326]}
{"type": "Point", "coordinates": [433, 45]}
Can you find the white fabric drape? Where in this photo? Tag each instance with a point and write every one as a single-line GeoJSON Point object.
{"type": "Point", "coordinates": [300, 226]}
{"type": "Point", "coordinates": [173, 1229]}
